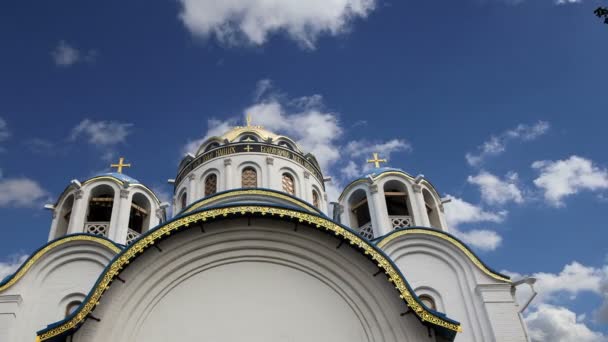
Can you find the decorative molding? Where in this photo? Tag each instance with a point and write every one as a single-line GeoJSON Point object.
{"type": "Point", "coordinates": [41, 252]}
{"type": "Point", "coordinates": [444, 236]}
{"type": "Point", "coordinates": [441, 207]}
{"type": "Point", "coordinates": [306, 175]}
{"type": "Point", "coordinates": [124, 193]}
{"type": "Point", "coordinates": [417, 188]}
{"type": "Point", "coordinates": [160, 212]}
{"type": "Point", "coordinates": [373, 188]}
{"type": "Point", "coordinates": [191, 177]}
{"type": "Point", "coordinates": [227, 162]}
{"type": "Point", "coordinates": [78, 194]}
{"type": "Point", "coordinates": [314, 222]}
{"type": "Point", "coordinates": [269, 160]}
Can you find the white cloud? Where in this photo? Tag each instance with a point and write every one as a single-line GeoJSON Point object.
{"type": "Point", "coordinates": [498, 144]}
{"type": "Point", "coordinates": [21, 192]}
{"type": "Point", "coordinates": [365, 148]}
{"type": "Point", "coordinates": [562, 178]}
{"type": "Point", "coordinates": [8, 268]}
{"type": "Point", "coordinates": [459, 211]}
{"type": "Point", "coordinates": [215, 128]}
{"type": "Point", "coordinates": [350, 170]}
{"type": "Point", "coordinates": [558, 324]}
{"type": "Point", "coordinates": [483, 239]}
{"type": "Point", "coordinates": [495, 190]}
{"type": "Point", "coordinates": [65, 55]}
{"type": "Point", "coordinates": [102, 133]}
{"type": "Point", "coordinates": [234, 22]}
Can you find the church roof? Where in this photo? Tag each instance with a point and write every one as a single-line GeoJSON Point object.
{"type": "Point", "coordinates": [120, 176]}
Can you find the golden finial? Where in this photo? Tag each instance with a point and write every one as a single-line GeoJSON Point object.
{"type": "Point", "coordinates": [120, 165]}
{"type": "Point", "coordinates": [248, 120]}
{"type": "Point", "coordinates": [376, 160]}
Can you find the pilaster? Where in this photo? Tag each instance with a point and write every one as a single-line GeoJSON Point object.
{"type": "Point", "coordinates": [79, 213]}
{"type": "Point", "coordinates": [229, 180]}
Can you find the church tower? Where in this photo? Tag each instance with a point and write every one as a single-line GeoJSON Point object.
{"type": "Point", "coordinates": [249, 157]}
{"type": "Point", "coordinates": [112, 205]}
{"type": "Point", "coordinates": [386, 199]}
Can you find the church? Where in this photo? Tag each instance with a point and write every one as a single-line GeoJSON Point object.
{"type": "Point", "coordinates": [254, 252]}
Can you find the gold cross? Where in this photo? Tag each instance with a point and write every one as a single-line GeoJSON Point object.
{"type": "Point", "coordinates": [248, 148]}
{"type": "Point", "coordinates": [120, 165]}
{"type": "Point", "coordinates": [376, 161]}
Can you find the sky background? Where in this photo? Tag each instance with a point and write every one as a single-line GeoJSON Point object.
{"type": "Point", "coordinates": [500, 104]}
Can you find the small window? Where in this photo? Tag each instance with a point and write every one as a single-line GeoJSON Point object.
{"type": "Point", "coordinates": [211, 184]}
{"type": "Point", "coordinates": [183, 201]}
{"type": "Point", "coordinates": [249, 138]}
{"type": "Point", "coordinates": [288, 184]}
{"type": "Point", "coordinates": [315, 198]}
{"type": "Point", "coordinates": [428, 301]}
{"type": "Point", "coordinates": [285, 144]}
{"type": "Point", "coordinates": [249, 178]}
{"type": "Point", "coordinates": [212, 146]}
{"type": "Point", "coordinates": [71, 307]}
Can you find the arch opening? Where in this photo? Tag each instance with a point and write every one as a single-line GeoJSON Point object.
{"type": "Point", "coordinates": [360, 217]}
{"type": "Point", "coordinates": [398, 204]}
{"type": "Point", "coordinates": [210, 184]}
{"type": "Point", "coordinates": [65, 214]}
{"type": "Point", "coordinates": [249, 178]}
{"type": "Point", "coordinates": [431, 209]}
{"type": "Point", "coordinates": [289, 185]}
{"type": "Point", "coordinates": [139, 217]}
{"type": "Point", "coordinates": [99, 212]}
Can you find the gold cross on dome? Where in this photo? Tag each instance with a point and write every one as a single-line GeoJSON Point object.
{"type": "Point", "coordinates": [376, 160]}
{"type": "Point", "coordinates": [120, 165]}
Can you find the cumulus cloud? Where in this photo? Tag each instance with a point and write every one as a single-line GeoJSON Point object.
{"type": "Point", "coordinates": [483, 239]}
{"type": "Point", "coordinates": [21, 192]}
{"type": "Point", "coordinates": [498, 144]}
{"type": "Point", "coordinates": [496, 191]}
{"type": "Point", "coordinates": [556, 323]}
{"type": "Point", "coordinates": [215, 128]}
{"type": "Point", "coordinates": [9, 267]}
{"type": "Point", "coordinates": [562, 178]}
{"type": "Point", "coordinates": [459, 211]}
{"type": "Point", "coordinates": [65, 55]}
{"type": "Point", "coordinates": [102, 133]}
{"type": "Point", "coordinates": [234, 22]}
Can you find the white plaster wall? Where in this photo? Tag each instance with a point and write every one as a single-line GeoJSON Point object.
{"type": "Point", "coordinates": [433, 265]}
{"type": "Point", "coordinates": [41, 296]}
{"type": "Point", "coordinates": [269, 169]}
{"type": "Point", "coordinates": [264, 282]}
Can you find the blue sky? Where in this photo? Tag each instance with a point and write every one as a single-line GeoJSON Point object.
{"type": "Point", "coordinates": [518, 86]}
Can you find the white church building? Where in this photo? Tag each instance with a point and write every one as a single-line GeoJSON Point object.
{"type": "Point", "coordinates": [254, 252]}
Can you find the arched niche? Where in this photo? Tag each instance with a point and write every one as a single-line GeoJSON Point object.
{"type": "Point", "coordinates": [139, 215]}
{"type": "Point", "coordinates": [398, 204]}
{"type": "Point", "coordinates": [250, 176]}
{"type": "Point", "coordinates": [63, 216]}
{"type": "Point", "coordinates": [360, 216]}
{"type": "Point", "coordinates": [431, 209]}
{"type": "Point", "coordinates": [210, 184]}
{"type": "Point", "coordinates": [182, 200]}
{"type": "Point", "coordinates": [99, 210]}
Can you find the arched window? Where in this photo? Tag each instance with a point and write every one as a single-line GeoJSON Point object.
{"type": "Point", "coordinates": [212, 146]}
{"type": "Point", "coordinates": [210, 184]}
{"type": "Point", "coordinates": [285, 144]}
{"type": "Point", "coordinates": [139, 217]}
{"type": "Point", "coordinates": [99, 212]}
{"type": "Point", "coordinates": [71, 307]}
{"type": "Point", "coordinates": [63, 219]}
{"type": "Point", "coordinates": [289, 185]}
{"type": "Point", "coordinates": [249, 178]}
{"type": "Point", "coordinates": [248, 138]}
{"type": "Point", "coordinates": [428, 301]}
{"type": "Point", "coordinates": [183, 200]}
{"type": "Point", "coordinates": [360, 217]}
{"type": "Point", "coordinates": [431, 209]}
{"type": "Point", "coordinates": [315, 199]}
{"type": "Point", "coordinates": [398, 204]}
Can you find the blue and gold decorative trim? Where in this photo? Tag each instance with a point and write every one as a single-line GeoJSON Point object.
{"type": "Point", "coordinates": [27, 265]}
{"type": "Point", "coordinates": [386, 239]}
{"type": "Point", "coordinates": [147, 240]}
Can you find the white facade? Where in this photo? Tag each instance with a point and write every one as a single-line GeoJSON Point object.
{"type": "Point", "coordinates": [252, 253]}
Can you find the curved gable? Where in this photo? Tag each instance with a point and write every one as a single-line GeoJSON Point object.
{"type": "Point", "coordinates": [443, 325]}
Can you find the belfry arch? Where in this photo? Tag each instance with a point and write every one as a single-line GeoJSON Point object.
{"type": "Point", "coordinates": [100, 210]}
{"type": "Point", "coordinates": [398, 204]}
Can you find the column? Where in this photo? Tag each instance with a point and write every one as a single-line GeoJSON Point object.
{"type": "Point", "coordinates": [307, 195]}
{"type": "Point", "coordinates": [269, 174]}
{"type": "Point", "coordinates": [120, 222]}
{"type": "Point", "coordinates": [54, 224]}
{"type": "Point", "coordinates": [375, 211]}
{"type": "Point", "coordinates": [192, 196]}
{"type": "Point", "coordinates": [419, 214]}
{"type": "Point", "coordinates": [79, 213]}
{"type": "Point", "coordinates": [229, 178]}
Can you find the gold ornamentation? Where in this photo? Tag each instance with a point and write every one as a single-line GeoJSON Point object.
{"type": "Point", "coordinates": [120, 165]}
{"type": "Point", "coordinates": [314, 221]}
{"type": "Point", "coordinates": [376, 160]}
{"type": "Point", "coordinates": [408, 231]}
{"type": "Point", "coordinates": [31, 261]}
{"type": "Point", "coordinates": [295, 201]}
